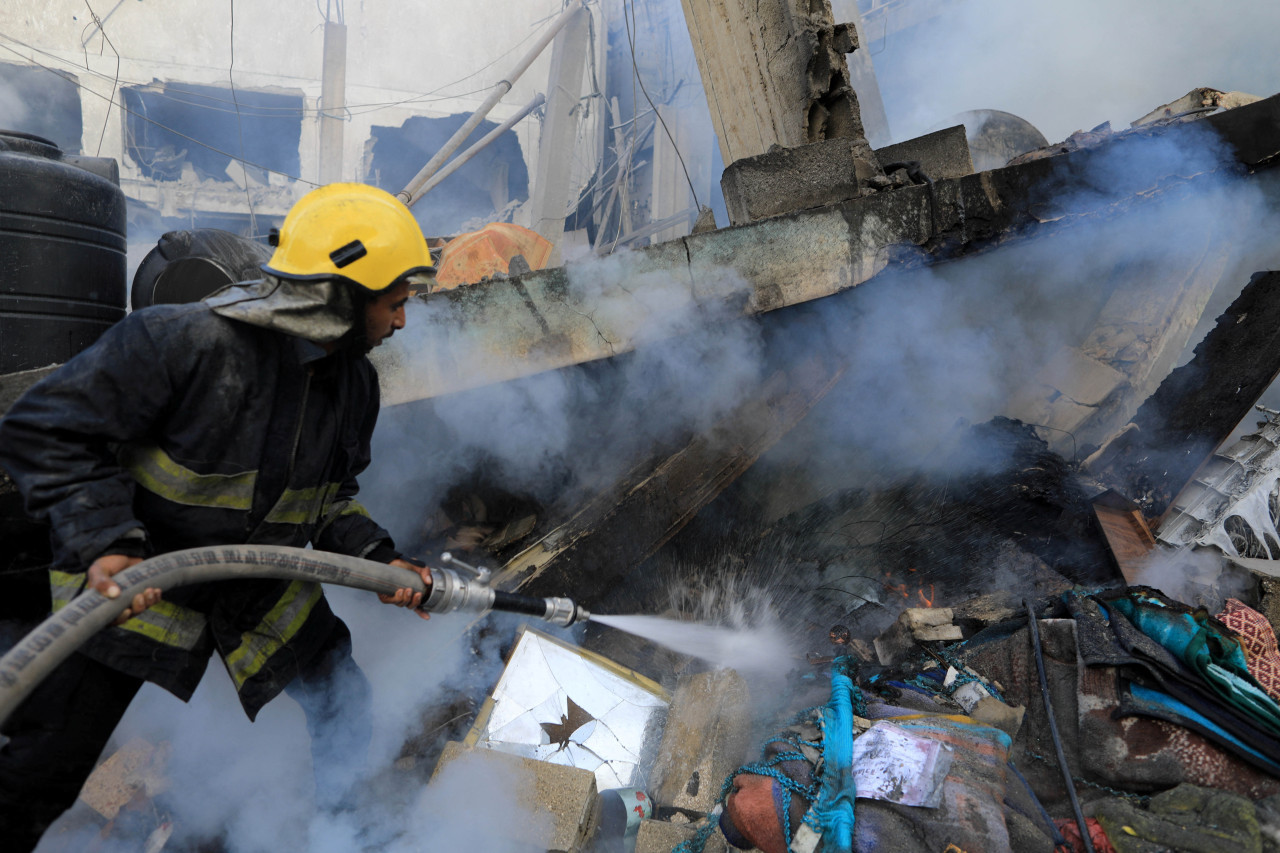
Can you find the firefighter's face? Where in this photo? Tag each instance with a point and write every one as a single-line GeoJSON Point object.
{"type": "Point", "coordinates": [384, 314]}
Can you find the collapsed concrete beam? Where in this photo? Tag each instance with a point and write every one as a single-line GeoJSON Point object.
{"type": "Point", "coordinates": [474, 336]}
{"type": "Point", "coordinates": [1197, 406]}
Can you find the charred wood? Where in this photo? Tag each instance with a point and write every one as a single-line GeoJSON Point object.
{"type": "Point", "coordinates": [1199, 404]}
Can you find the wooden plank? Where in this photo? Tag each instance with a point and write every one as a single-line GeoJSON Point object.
{"type": "Point", "coordinates": [626, 523]}
{"type": "Point", "coordinates": [1126, 531]}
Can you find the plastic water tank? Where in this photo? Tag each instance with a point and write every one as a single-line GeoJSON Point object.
{"type": "Point", "coordinates": [62, 252]}
{"type": "Point", "coordinates": [186, 266]}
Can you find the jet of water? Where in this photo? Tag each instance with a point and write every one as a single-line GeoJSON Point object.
{"type": "Point", "coordinates": [760, 649]}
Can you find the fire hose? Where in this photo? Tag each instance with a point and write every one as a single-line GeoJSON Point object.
{"type": "Point", "coordinates": [35, 656]}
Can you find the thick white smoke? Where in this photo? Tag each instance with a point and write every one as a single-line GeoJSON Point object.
{"type": "Point", "coordinates": [1071, 66]}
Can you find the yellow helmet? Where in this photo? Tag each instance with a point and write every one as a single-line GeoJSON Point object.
{"type": "Point", "coordinates": [352, 231]}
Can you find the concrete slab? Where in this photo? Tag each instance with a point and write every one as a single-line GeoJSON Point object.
{"type": "Point", "coordinates": [1082, 378]}
{"type": "Point", "coordinates": [566, 794]}
{"type": "Point", "coordinates": [706, 738]}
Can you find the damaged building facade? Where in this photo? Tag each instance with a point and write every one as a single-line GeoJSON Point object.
{"type": "Point", "coordinates": [205, 141]}
{"type": "Point", "coordinates": [930, 467]}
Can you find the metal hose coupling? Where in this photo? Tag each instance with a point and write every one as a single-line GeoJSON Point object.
{"type": "Point", "coordinates": [469, 589]}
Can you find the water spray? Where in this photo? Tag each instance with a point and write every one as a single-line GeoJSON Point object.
{"type": "Point", "coordinates": [32, 659]}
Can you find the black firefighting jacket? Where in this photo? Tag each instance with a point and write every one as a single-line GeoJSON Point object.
{"type": "Point", "coordinates": [191, 429]}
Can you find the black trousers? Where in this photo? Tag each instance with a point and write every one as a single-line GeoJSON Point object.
{"type": "Point", "coordinates": [58, 733]}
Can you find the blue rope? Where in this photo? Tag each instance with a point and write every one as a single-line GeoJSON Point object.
{"type": "Point", "coordinates": [835, 803]}
{"type": "Point", "coordinates": [832, 797]}
{"type": "Point", "coordinates": [765, 767]}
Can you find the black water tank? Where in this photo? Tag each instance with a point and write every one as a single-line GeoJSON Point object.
{"type": "Point", "coordinates": [62, 254]}
{"type": "Point", "coordinates": [186, 266]}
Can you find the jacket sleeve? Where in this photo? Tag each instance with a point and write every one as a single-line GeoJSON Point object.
{"type": "Point", "coordinates": [346, 527]}
{"type": "Point", "coordinates": [58, 440]}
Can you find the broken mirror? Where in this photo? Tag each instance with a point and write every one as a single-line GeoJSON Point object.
{"type": "Point", "coordinates": [569, 706]}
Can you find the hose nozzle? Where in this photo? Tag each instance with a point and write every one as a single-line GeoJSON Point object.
{"type": "Point", "coordinates": [451, 591]}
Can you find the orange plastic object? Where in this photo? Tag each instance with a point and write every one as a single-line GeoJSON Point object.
{"type": "Point", "coordinates": [471, 257]}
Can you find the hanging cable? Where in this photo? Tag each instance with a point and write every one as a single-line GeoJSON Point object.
{"type": "Point", "coordinates": [149, 120]}
{"type": "Point", "coordinates": [244, 173]}
{"type": "Point", "coordinates": [114, 83]}
{"type": "Point", "coordinates": [431, 96]}
{"type": "Point", "coordinates": [631, 41]}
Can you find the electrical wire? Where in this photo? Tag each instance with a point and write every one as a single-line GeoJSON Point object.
{"type": "Point", "coordinates": [625, 176]}
{"type": "Point", "coordinates": [288, 112]}
{"type": "Point", "coordinates": [114, 83]}
{"type": "Point", "coordinates": [152, 121]}
{"type": "Point", "coordinates": [635, 65]}
{"type": "Point", "coordinates": [257, 112]}
{"type": "Point", "coordinates": [248, 196]}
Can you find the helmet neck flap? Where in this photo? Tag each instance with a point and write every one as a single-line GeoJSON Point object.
{"type": "Point", "coordinates": [322, 311]}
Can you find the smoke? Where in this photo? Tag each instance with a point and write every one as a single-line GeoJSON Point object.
{"type": "Point", "coordinates": [565, 431]}
{"type": "Point", "coordinates": [931, 350]}
{"type": "Point", "coordinates": [474, 805]}
{"type": "Point", "coordinates": [926, 351]}
{"type": "Point", "coordinates": [1200, 577]}
{"type": "Point", "coordinates": [1066, 67]}
{"type": "Point", "coordinates": [14, 112]}
{"type": "Point", "coordinates": [251, 784]}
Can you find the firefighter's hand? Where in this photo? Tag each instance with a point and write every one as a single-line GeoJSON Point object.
{"type": "Point", "coordinates": [406, 597]}
{"type": "Point", "coordinates": [100, 574]}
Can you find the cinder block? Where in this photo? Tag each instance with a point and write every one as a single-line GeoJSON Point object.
{"type": "Point", "coordinates": [918, 618]}
{"type": "Point", "coordinates": [940, 633]}
{"type": "Point", "coordinates": [567, 794]}
{"type": "Point", "coordinates": [941, 154]}
{"type": "Point", "coordinates": [786, 180]}
{"type": "Point", "coordinates": [657, 836]}
{"type": "Point", "coordinates": [706, 738]}
{"type": "Point", "coordinates": [915, 624]}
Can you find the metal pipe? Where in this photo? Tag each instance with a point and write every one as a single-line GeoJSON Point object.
{"type": "Point", "coordinates": [413, 190]}
{"type": "Point", "coordinates": [55, 639]}
{"type": "Point", "coordinates": [457, 162]}
{"type": "Point", "coordinates": [1053, 728]}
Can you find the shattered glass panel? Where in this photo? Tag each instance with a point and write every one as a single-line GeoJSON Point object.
{"type": "Point", "coordinates": [556, 703]}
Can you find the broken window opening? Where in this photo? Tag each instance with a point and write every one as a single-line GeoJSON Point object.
{"type": "Point", "coordinates": [262, 128]}
{"type": "Point", "coordinates": [42, 102]}
{"type": "Point", "coordinates": [479, 192]}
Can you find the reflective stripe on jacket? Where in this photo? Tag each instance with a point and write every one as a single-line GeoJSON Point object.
{"type": "Point", "coordinates": [201, 430]}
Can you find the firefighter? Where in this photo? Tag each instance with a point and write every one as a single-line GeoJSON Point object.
{"type": "Point", "coordinates": [244, 418]}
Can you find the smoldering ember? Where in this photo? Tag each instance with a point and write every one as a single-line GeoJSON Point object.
{"type": "Point", "coordinates": [805, 451]}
